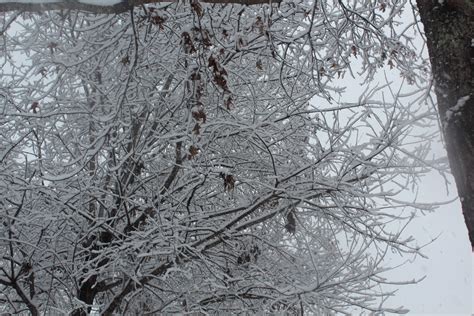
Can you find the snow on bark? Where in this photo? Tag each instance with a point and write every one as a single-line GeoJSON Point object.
{"type": "Point", "coordinates": [449, 30]}
{"type": "Point", "coordinates": [457, 108]}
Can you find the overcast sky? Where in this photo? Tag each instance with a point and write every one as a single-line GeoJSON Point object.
{"type": "Point", "coordinates": [447, 288]}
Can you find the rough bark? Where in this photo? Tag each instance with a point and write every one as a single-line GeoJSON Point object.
{"type": "Point", "coordinates": [121, 7]}
{"type": "Point", "coordinates": [449, 30]}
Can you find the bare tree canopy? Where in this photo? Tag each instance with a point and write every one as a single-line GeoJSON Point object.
{"type": "Point", "coordinates": [458, 14]}
{"type": "Point", "coordinates": [192, 158]}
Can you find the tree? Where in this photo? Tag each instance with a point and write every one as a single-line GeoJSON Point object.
{"type": "Point", "coordinates": [449, 26]}
{"type": "Point", "coordinates": [168, 159]}
{"type": "Point", "coordinates": [117, 6]}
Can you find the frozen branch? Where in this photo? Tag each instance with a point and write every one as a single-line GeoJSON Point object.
{"type": "Point", "coordinates": [104, 7]}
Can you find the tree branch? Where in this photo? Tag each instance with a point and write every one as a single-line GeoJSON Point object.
{"type": "Point", "coordinates": [119, 7]}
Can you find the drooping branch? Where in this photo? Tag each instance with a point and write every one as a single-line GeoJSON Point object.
{"type": "Point", "coordinates": [98, 7]}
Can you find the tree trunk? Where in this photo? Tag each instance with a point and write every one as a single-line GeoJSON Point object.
{"type": "Point", "coordinates": [449, 30]}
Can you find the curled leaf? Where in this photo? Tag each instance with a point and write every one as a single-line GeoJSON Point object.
{"type": "Point", "coordinates": [193, 151]}
{"type": "Point", "coordinates": [290, 225]}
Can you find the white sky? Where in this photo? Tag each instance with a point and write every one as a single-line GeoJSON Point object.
{"type": "Point", "coordinates": [447, 288]}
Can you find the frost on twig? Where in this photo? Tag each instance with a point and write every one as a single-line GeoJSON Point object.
{"type": "Point", "coordinates": [191, 158]}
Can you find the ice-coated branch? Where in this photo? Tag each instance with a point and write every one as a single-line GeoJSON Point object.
{"type": "Point", "coordinates": [105, 7]}
{"type": "Point", "coordinates": [177, 164]}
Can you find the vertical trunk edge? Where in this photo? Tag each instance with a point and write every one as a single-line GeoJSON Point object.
{"type": "Point", "coordinates": [449, 30]}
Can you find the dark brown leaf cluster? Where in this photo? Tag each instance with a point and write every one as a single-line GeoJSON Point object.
{"type": "Point", "coordinates": [200, 115]}
{"type": "Point", "coordinates": [229, 102]}
{"type": "Point", "coordinates": [354, 50]}
{"type": "Point", "coordinates": [188, 43]}
{"type": "Point", "coordinates": [219, 73]}
{"type": "Point", "coordinates": [229, 181]}
{"type": "Point", "coordinates": [290, 225]}
{"type": "Point", "coordinates": [197, 8]}
{"type": "Point", "coordinates": [125, 60]}
{"type": "Point", "coordinates": [249, 255]}
{"type": "Point", "coordinates": [193, 151]}
{"type": "Point", "coordinates": [258, 25]}
{"type": "Point", "coordinates": [34, 107]}
{"type": "Point", "coordinates": [158, 20]}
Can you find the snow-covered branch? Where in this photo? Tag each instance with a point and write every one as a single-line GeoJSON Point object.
{"type": "Point", "coordinates": [105, 7]}
{"type": "Point", "coordinates": [189, 157]}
